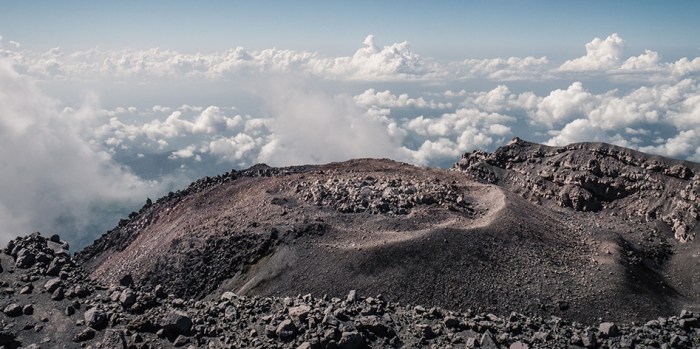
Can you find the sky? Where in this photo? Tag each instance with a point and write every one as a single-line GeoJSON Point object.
{"type": "Point", "coordinates": [103, 104]}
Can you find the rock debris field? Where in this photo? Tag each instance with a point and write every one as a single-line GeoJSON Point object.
{"type": "Point", "coordinates": [49, 302]}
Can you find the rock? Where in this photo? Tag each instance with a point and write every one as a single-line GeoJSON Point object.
{"type": "Point", "coordinates": [95, 318]}
{"type": "Point", "coordinates": [519, 345]}
{"type": "Point", "coordinates": [85, 335]}
{"type": "Point", "coordinates": [54, 268]}
{"type": "Point", "coordinates": [115, 339]}
{"type": "Point", "coordinates": [330, 320]}
{"type": "Point", "coordinates": [425, 331]}
{"type": "Point", "coordinates": [286, 330]}
{"type": "Point", "coordinates": [488, 341]}
{"type": "Point", "coordinates": [689, 323]}
{"type": "Point", "coordinates": [26, 289]}
{"type": "Point", "coordinates": [6, 337]}
{"type": "Point", "coordinates": [270, 331]}
{"type": "Point", "coordinates": [159, 292]}
{"type": "Point", "coordinates": [12, 310]}
{"type": "Point", "coordinates": [227, 296]}
{"type": "Point", "coordinates": [55, 238]}
{"type": "Point", "coordinates": [304, 345]}
{"type": "Point", "coordinates": [127, 298]}
{"type": "Point", "coordinates": [299, 313]}
{"type": "Point", "coordinates": [126, 281]}
{"type": "Point", "coordinates": [588, 340]}
{"type": "Point", "coordinates": [51, 285]}
{"type": "Point", "coordinates": [58, 294]}
{"type": "Point", "coordinates": [351, 340]}
{"type": "Point", "coordinates": [43, 258]}
{"type": "Point", "coordinates": [686, 314]}
{"type": "Point", "coordinates": [451, 322]}
{"type": "Point", "coordinates": [352, 296]}
{"type": "Point", "coordinates": [25, 259]}
{"type": "Point", "coordinates": [181, 341]}
{"type": "Point", "coordinates": [373, 323]}
{"type": "Point", "coordinates": [69, 311]}
{"type": "Point", "coordinates": [28, 309]}
{"type": "Point", "coordinates": [176, 322]}
{"type": "Point", "coordinates": [608, 329]}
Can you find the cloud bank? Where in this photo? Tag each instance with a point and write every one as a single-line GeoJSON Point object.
{"type": "Point", "coordinates": [52, 176]}
{"type": "Point", "coordinates": [78, 168]}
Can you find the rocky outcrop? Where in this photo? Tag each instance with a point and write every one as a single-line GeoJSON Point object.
{"type": "Point", "coordinates": [396, 195]}
{"type": "Point", "coordinates": [595, 177]}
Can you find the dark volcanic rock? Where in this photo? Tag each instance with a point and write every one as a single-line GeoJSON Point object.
{"type": "Point", "coordinates": [596, 177]}
{"type": "Point", "coordinates": [352, 321]}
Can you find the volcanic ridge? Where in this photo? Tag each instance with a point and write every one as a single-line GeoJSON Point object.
{"type": "Point", "coordinates": [587, 245]}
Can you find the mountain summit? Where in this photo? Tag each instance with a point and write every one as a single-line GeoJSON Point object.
{"type": "Point", "coordinates": [584, 231]}
{"type": "Point", "coordinates": [560, 238]}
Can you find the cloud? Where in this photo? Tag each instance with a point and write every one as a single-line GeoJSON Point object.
{"type": "Point", "coordinates": [600, 55]}
{"type": "Point", "coordinates": [501, 99]}
{"type": "Point", "coordinates": [53, 179]}
{"type": "Point", "coordinates": [649, 60]}
{"type": "Point", "coordinates": [310, 126]}
{"type": "Point", "coordinates": [386, 99]}
{"type": "Point", "coordinates": [451, 134]}
{"type": "Point", "coordinates": [513, 68]}
{"type": "Point", "coordinates": [372, 62]}
{"type": "Point", "coordinates": [564, 105]}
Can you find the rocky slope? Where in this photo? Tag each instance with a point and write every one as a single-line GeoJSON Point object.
{"type": "Point", "coordinates": [49, 302]}
{"type": "Point", "coordinates": [596, 177]}
{"type": "Point", "coordinates": [566, 239]}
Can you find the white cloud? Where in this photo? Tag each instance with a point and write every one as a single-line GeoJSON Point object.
{"type": "Point", "coordinates": [371, 62]}
{"type": "Point", "coordinates": [513, 68]}
{"type": "Point", "coordinates": [564, 105]}
{"type": "Point", "coordinates": [52, 175]}
{"type": "Point", "coordinates": [234, 149]}
{"type": "Point", "coordinates": [649, 60]}
{"type": "Point", "coordinates": [386, 99]}
{"type": "Point", "coordinates": [310, 126]}
{"type": "Point", "coordinates": [600, 55]}
{"type": "Point", "coordinates": [501, 99]}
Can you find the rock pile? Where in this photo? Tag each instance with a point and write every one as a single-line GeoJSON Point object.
{"type": "Point", "coordinates": [45, 307]}
{"type": "Point", "coordinates": [384, 195]}
{"type": "Point", "coordinates": [595, 177]}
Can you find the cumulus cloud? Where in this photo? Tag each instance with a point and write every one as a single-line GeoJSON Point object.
{"type": "Point", "coordinates": [386, 99]}
{"type": "Point", "coordinates": [649, 60]}
{"type": "Point", "coordinates": [371, 63]}
{"type": "Point", "coordinates": [563, 105]}
{"type": "Point", "coordinates": [513, 68]}
{"type": "Point", "coordinates": [53, 177]}
{"type": "Point", "coordinates": [501, 99]}
{"type": "Point", "coordinates": [451, 134]}
{"type": "Point", "coordinates": [600, 55]}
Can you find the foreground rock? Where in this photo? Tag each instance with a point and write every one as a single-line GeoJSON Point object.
{"type": "Point", "coordinates": [99, 317]}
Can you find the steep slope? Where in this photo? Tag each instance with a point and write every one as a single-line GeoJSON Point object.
{"type": "Point", "coordinates": [415, 235]}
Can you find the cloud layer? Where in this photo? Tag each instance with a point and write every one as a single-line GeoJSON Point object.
{"type": "Point", "coordinates": [78, 168]}
{"type": "Point", "coordinates": [371, 62]}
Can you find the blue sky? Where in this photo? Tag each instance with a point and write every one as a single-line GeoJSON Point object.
{"type": "Point", "coordinates": [450, 29]}
{"type": "Point", "coordinates": [124, 100]}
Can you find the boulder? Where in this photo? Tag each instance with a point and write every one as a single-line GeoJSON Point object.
{"type": "Point", "coordinates": [176, 322]}
{"type": "Point", "coordinates": [25, 259]}
{"type": "Point", "coordinates": [95, 318]}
